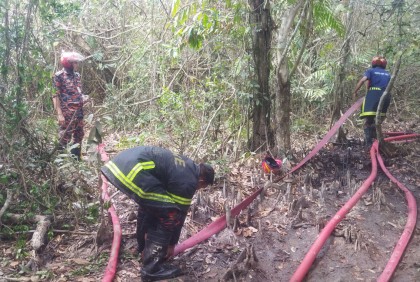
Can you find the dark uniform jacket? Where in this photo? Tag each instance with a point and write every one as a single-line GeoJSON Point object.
{"type": "Point", "coordinates": [378, 81]}
{"type": "Point", "coordinates": [69, 91]}
{"type": "Point", "coordinates": [154, 176]}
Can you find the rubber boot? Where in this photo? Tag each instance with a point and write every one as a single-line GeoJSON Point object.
{"type": "Point", "coordinates": [76, 152]}
{"type": "Point", "coordinates": [373, 131]}
{"type": "Point", "coordinates": [154, 253]}
{"type": "Point", "coordinates": [144, 222]}
{"type": "Point", "coordinates": [368, 137]}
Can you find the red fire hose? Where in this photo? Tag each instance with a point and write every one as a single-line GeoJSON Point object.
{"type": "Point", "coordinates": [220, 223]}
{"type": "Point", "coordinates": [411, 219]}
{"type": "Point", "coordinates": [111, 268]}
{"type": "Point", "coordinates": [303, 268]}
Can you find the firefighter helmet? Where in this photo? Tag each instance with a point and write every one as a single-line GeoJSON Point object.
{"type": "Point", "coordinates": [67, 58]}
{"type": "Point", "coordinates": [379, 61]}
{"type": "Point", "coordinates": [269, 164]}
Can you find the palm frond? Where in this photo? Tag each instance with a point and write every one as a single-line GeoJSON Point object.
{"type": "Point", "coordinates": [325, 18]}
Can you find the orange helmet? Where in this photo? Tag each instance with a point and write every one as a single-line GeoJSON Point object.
{"type": "Point", "coordinates": [67, 58]}
{"type": "Point", "coordinates": [379, 61]}
{"type": "Point", "coordinates": [268, 164]}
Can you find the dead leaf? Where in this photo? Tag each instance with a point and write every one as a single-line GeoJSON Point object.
{"type": "Point", "coordinates": [265, 212]}
{"type": "Point", "coordinates": [210, 259]}
{"type": "Point", "coordinates": [14, 264]}
{"type": "Point", "coordinates": [206, 271]}
{"type": "Point", "coordinates": [79, 261]}
{"type": "Point", "coordinates": [211, 275]}
{"type": "Point", "coordinates": [249, 231]}
{"type": "Point", "coordinates": [254, 230]}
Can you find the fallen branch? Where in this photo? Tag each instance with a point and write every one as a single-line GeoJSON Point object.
{"type": "Point", "coordinates": [6, 203]}
{"type": "Point", "coordinates": [18, 218]}
{"type": "Point", "coordinates": [40, 235]}
{"type": "Point", "coordinates": [38, 241]}
{"type": "Point", "coordinates": [20, 279]}
{"type": "Point", "coordinates": [67, 231]}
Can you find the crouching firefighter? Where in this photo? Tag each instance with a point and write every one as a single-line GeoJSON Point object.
{"type": "Point", "coordinates": [378, 79]}
{"type": "Point", "coordinates": [163, 185]}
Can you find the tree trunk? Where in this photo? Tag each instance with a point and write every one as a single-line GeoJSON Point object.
{"type": "Point", "coordinates": [338, 90]}
{"type": "Point", "coordinates": [283, 110]}
{"type": "Point", "coordinates": [261, 24]}
{"type": "Point", "coordinates": [386, 148]}
{"type": "Point", "coordinates": [283, 94]}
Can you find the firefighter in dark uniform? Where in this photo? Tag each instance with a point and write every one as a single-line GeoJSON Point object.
{"type": "Point", "coordinates": [163, 185]}
{"type": "Point", "coordinates": [68, 102]}
{"type": "Point", "coordinates": [378, 79]}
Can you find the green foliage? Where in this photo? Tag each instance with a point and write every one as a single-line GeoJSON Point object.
{"type": "Point", "coordinates": [21, 252]}
{"type": "Point", "coordinates": [50, 10]}
{"type": "Point", "coordinates": [42, 194]}
{"type": "Point", "coordinates": [303, 124]}
{"type": "Point", "coordinates": [93, 213]}
{"type": "Point", "coordinates": [131, 141]}
{"type": "Point", "coordinates": [325, 18]}
{"type": "Point", "coordinates": [95, 264]}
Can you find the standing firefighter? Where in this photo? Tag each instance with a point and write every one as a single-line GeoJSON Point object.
{"type": "Point", "coordinates": [378, 79]}
{"type": "Point", "coordinates": [162, 184]}
{"type": "Point", "coordinates": [68, 102]}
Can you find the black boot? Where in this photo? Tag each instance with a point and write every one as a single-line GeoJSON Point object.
{"type": "Point", "coordinates": [76, 152]}
{"type": "Point", "coordinates": [154, 253]}
{"type": "Point", "coordinates": [368, 137]}
{"type": "Point", "coordinates": [144, 222]}
{"type": "Point", "coordinates": [373, 131]}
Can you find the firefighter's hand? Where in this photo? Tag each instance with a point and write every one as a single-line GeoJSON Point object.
{"type": "Point", "coordinates": [60, 119]}
{"type": "Point", "coordinates": [170, 252]}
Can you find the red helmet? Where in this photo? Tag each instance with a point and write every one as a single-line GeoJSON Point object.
{"type": "Point", "coordinates": [268, 164]}
{"type": "Point", "coordinates": [379, 61]}
{"type": "Point", "coordinates": [67, 58]}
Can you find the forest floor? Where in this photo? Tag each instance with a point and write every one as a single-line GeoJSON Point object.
{"type": "Point", "coordinates": [273, 235]}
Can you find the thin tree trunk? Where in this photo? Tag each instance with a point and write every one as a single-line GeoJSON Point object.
{"type": "Point", "coordinates": [283, 94]}
{"type": "Point", "coordinates": [6, 57]}
{"type": "Point", "coordinates": [385, 95]}
{"type": "Point", "coordinates": [338, 90]}
{"type": "Point", "coordinates": [262, 25]}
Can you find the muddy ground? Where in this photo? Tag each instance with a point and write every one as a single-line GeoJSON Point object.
{"type": "Point", "coordinates": [267, 241]}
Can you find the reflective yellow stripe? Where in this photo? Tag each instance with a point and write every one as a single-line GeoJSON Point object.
{"type": "Point", "coordinates": [139, 192]}
{"type": "Point", "coordinates": [370, 114]}
{"type": "Point", "coordinates": [375, 88]}
{"type": "Point", "coordinates": [180, 200]}
{"type": "Point", "coordinates": [138, 167]}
